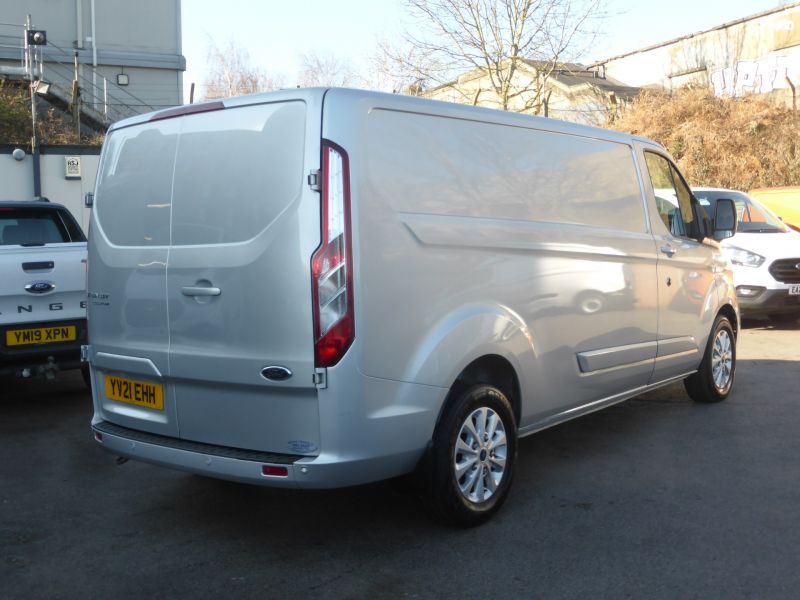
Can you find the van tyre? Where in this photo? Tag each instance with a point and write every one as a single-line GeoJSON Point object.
{"type": "Point", "coordinates": [714, 379]}
{"type": "Point", "coordinates": [471, 464]}
{"type": "Point", "coordinates": [590, 302]}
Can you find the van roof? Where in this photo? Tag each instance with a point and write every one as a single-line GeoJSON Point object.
{"type": "Point", "coordinates": [407, 103]}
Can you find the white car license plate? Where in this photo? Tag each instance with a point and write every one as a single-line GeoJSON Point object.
{"type": "Point", "coordinates": [794, 290]}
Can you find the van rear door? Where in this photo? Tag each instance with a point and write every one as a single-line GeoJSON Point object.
{"type": "Point", "coordinates": [127, 304]}
{"type": "Point", "coordinates": [244, 226]}
{"type": "Point", "coordinates": [200, 274]}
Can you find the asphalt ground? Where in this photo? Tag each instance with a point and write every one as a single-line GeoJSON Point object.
{"type": "Point", "coordinates": [656, 497]}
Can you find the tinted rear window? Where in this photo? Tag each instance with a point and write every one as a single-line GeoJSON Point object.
{"type": "Point", "coordinates": [34, 227]}
{"type": "Point", "coordinates": [215, 178]}
{"type": "Point", "coordinates": [135, 184]}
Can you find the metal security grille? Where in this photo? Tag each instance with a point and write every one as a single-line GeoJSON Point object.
{"type": "Point", "coordinates": [786, 270]}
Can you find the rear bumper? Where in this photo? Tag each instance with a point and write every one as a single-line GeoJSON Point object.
{"type": "Point", "coordinates": [41, 358]}
{"type": "Point", "coordinates": [369, 429]}
{"type": "Point", "coordinates": [323, 471]}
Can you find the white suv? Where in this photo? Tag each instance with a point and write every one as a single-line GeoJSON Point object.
{"type": "Point", "coordinates": [765, 255]}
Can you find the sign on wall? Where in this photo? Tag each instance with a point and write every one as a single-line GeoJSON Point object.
{"type": "Point", "coordinates": [72, 167]}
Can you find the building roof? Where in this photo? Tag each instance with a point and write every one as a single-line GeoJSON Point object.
{"type": "Point", "coordinates": [569, 75]}
{"type": "Point", "coordinates": [538, 64]}
{"type": "Point", "coordinates": [692, 35]}
{"type": "Point", "coordinates": [589, 78]}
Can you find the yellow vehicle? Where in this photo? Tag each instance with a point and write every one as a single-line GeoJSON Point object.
{"type": "Point", "coordinates": [783, 201]}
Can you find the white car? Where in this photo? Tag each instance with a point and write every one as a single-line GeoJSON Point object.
{"type": "Point", "coordinates": [42, 289]}
{"type": "Point", "coordinates": [764, 252]}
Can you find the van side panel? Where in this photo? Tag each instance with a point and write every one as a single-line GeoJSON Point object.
{"type": "Point", "coordinates": [457, 218]}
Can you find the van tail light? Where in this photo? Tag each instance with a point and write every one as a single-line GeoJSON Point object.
{"type": "Point", "coordinates": [332, 263]}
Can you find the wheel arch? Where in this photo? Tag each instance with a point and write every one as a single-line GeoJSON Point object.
{"type": "Point", "coordinates": [489, 369]}
{"type": "Point", "coordinates": [729, 312]}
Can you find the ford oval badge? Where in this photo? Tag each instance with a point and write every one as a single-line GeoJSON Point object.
{"type": "Point", "coordinates": [276, 373]}
{"type": "Point", "coordinates": [40, 287]}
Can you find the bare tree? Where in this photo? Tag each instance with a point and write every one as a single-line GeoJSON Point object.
{"type": "Point", "coordinates": [513, 45]}
{"type": "Point", "coordinates": [325, 70]}
{"type": "Point", "coordinates": [400, 68]}
{"type": "Point", "coordinates": [231, 74]}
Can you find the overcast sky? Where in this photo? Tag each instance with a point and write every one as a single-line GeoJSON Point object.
{"type": "Point", "coordinates": [277, 32]}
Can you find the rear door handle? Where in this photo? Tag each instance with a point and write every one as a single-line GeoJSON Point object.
{"type": "Point", "coordinates": [669, 250]}
{"type": "Point", "coordinates": [38, 266]}
{"type": "Point", "coordinates": [192, 290]}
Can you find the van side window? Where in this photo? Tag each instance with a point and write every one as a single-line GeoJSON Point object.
{"type": "Point", "coordinates": [673, 198]}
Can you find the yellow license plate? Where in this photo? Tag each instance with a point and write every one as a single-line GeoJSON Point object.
{"type": "Point", "coordinates": [134, 391]}
{"type": "Point", "coordinates": [41, 335]}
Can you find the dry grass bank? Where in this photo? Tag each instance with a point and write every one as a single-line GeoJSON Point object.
{"type": "Point", "coordinates": [54, 127]}
{"type": "Point", "coordinates": [739, 143]}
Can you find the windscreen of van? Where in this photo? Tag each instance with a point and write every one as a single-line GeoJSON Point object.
{"type": "Point", "coordinates": [210, 178]}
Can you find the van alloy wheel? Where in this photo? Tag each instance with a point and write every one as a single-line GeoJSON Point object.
{"type": "Point", "coordinates": [470, 465]}
{"type": "Point", "coordinates": [713, 380]}
{"type": "Point", "coordinates": [479, 459]}
{"type": "Point", "coordinates": [722, 360]}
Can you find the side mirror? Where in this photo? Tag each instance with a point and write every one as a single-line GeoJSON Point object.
{"type": "Point", "coordinates": [724, 219]}
{"type": "Point", "coordinates": [88, 200]}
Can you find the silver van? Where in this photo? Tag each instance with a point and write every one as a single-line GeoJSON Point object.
{"type": "Point", "coordinates": [325, 287]}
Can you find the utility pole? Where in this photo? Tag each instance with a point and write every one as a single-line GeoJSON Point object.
{"type": "Point", "coordinates": [75, 101]}
{"type": "Point", "coordinates": [29, 56]}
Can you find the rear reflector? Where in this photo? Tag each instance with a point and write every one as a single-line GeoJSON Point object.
{"type": "Point", "coordinates": [270, 471]}
{"type": "Point", "coordinates": [98, 436]}
{"type": "Point", "coordinates": [189, 109]}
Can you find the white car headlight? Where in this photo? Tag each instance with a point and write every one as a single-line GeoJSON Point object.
{"type": "Point", "coordinates": [745, 258]}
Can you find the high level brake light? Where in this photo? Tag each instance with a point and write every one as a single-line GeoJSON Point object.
{"type": "Point", "coordinates": [332, 263]}
{"type": "Point", "coordinates": [189, 109]}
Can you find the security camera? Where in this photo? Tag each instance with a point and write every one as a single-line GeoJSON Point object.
{"type": "Point", "coordinates": [18, 154]}
{"type": "Point", "coordinates": [37, 37]}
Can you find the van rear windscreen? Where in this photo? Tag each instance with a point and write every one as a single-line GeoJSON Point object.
{"type": "Point", "coordinates": [211, 178]}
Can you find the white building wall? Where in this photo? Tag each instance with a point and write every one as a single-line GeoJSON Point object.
{"type": "Point", "coordinates": [754, 55]}
{"type": "Point", "coordinates": [17, 178]}
{"type": "Point", "coordinates": [141, 39]}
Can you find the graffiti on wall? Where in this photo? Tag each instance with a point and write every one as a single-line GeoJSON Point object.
{"type": "Point", "coordinates": [749, 76]}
